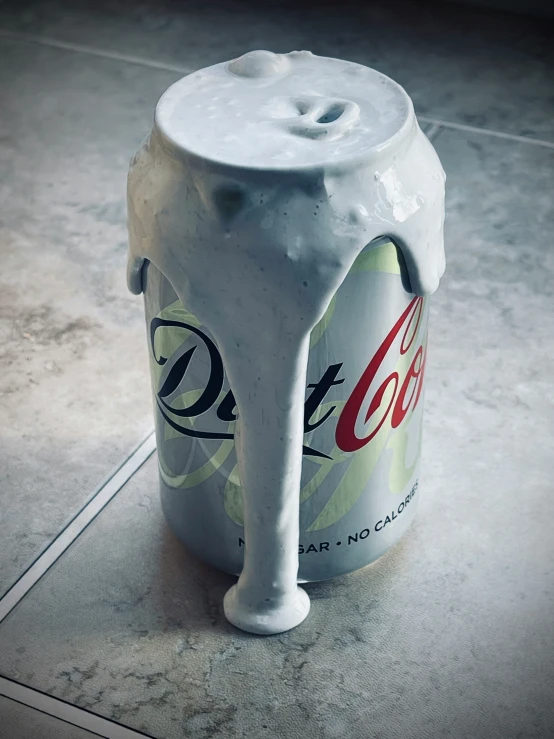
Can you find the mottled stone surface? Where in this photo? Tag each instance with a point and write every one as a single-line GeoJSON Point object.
{"type": "Point", "coordinates": [20, 722]}
{"type": "Point", "coordinates": [462, 64]}
{"type": "Point", "coordinates": [450, 633]}
{"type": "Point", "coordinates": [74, 390]}
{"type": "Point", "coordinates": [446, 635]}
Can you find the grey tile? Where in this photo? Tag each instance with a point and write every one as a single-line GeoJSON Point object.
{"type": "Point", "coordinates": [74, 388]}
{"type": "Point", "coordinates": [21, 722]}
{"type": "Point", "coordinates": [462, 64]}
{"type": "Point", "coordinates": [446, 634]}
{"type": "Point", "coordinates": [449, 634]}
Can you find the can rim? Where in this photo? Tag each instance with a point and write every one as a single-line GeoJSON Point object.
{"type": "Point", "coordinates": [353, 160]}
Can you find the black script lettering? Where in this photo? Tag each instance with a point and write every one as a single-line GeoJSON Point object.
{"type": "Point", "coordinates": [319, 392]}
{"type": "Point", "coordinates": [177, 373]}
{"type": "Point", "coordinates": [211, 392]}
{"type": "Point", "coordinates": [226, 408]}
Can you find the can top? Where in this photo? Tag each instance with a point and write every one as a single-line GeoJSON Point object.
{"type": "Point", "coordinates": [283, 111]}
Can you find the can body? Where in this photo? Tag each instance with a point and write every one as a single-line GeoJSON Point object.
{"type": "Point", "coordinates": [362, 422]}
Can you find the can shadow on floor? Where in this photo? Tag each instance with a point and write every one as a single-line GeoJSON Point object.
{"type": "Point", "coordinates": [190, 593]}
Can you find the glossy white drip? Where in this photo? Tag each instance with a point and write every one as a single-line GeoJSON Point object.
{"type": "Point", "coordinates": [256, 247]}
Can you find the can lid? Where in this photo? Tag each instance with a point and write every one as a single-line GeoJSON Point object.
{"type": "Point", "coordinates": [283, 111]}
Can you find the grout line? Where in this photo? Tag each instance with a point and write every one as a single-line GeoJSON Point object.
{"type": "Point", "coordinates": [31, 38]}
{"type": "Point", "coordinates": [432, 131]}
{"type": "Point", "coordinates": [152, 64]}
{"type": "Point", "coordinates": [486, 132]}
{"type": "Point", "coordinates": [32, 709]}
{"type": "Point", "coordinates": [100, 498]}
{"type": "Point", "coordinates": [67, 712]}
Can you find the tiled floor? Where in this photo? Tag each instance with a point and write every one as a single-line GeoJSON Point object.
{"type": "Point", "coordinates": [74, 395]}
{"type": "Point", "coordinates": [22, 721]}
{"type": "Point", "coordinates": [450, 634]}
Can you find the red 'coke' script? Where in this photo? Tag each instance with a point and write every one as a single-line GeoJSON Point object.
{"type": "Point", "coordinates": [345, 435]}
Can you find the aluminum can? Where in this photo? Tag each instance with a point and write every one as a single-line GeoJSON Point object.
{"type": "Point", "coordinates": [363, 404]}
{"type": "Point", "coordinates": [367, 361]}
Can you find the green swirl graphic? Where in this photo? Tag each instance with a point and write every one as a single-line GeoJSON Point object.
{"type": "Point", "coordinates": [213, 463]}
{"type": "Point", "coordinates": [232, 497]}
{"type": "Point", "coordinates": [400, 475]}
{"type": "Point", "coordinates": [384, 257]}
{"type": "Point", "coordinates": [233, 492]}
{"type": "Point", "coordinates": [362, 464]}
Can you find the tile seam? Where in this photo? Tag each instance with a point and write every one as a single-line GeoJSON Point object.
{"type": "Point", "coordinates": [67, 712]}
{"type": "Point", "coordinates": [22, 37]}
{"type": "Point", "coordinates": [99, 499]}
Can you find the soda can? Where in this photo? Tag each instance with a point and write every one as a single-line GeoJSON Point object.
{"type": "Point", "coordinates": [358, 496]}
{"type": "Point", "coordinates": [363, 407]}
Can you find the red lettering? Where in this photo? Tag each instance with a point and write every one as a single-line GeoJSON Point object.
{"type": "Point", "coordinates": [421, 375]}
{"type": "Point", "coordinates": [345, 436]}
{"type": "Point", "coordinates": [416, 315]}
{"type": "Point", "coordinates": [378, 399]}
{"type": "Point", "coordinates": [400, 409]}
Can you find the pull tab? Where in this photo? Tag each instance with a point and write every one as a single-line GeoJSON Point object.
{"type": "Point", "coordinates": [320, 118]}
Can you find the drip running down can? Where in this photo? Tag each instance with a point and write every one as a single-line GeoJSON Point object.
{"type": "Point", "coordinates": [362, 421]}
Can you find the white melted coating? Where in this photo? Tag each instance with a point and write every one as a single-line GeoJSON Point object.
{"type": "Point", "coordinates": [255, 217]}
{"type": "Point", "coordinates": [282, 110]}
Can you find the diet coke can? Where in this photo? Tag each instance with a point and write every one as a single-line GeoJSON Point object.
{"type": "Point", "coordinates": [364, 390]}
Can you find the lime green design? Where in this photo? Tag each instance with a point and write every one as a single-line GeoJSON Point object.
{"type": "Point", "coordinates": [233, 492]}
{"type": "Point", "coordinates": [325, 465]}
{"type": "Point", "coordinates": [232, 497]}
{"type": "Point", "coordinates": [400, 475]}
{"type": "Point", "coordinates": [169, 338]}
{"type": "Point", "coordinates": [176, 312]}
{"type": "Point", "coordinates": [180, 404]}
{"type": "Point", "coordinates": [383, 258]}
{"type": "Point", "coordinates": [353, 482]}
{"type": "Point", "coordinates": [192, 479]}
{"type": "Point", "coordinates": [363, 462]}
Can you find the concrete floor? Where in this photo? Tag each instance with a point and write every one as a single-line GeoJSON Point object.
{"type": "Point", "coordinates": [450, 634]}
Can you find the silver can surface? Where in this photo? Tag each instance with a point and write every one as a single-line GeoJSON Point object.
{"type": "Point", "coordinates": [362, 422]}
{"type": "Point", "coordinates": [286, 226]}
